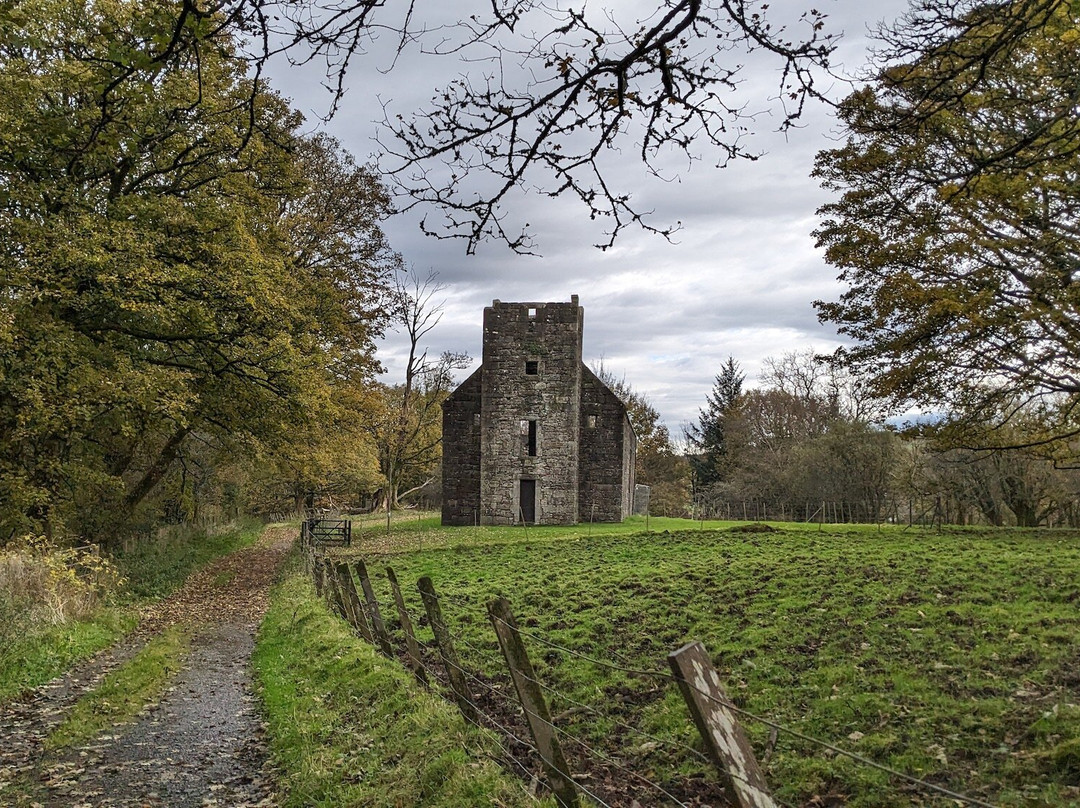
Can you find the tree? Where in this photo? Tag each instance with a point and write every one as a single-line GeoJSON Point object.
{"type": "Point", "coordinates": [955, 226]}
{"type": "Point", "coordinates": [405, 424]}
{"type": "Point", "coordinates": [551, 92]}
{"type": "Point", "coordinates": [998, 487]}
{"type": "Point", "coordinates": [154, 289]}
{"type": "Point", "coordinates": [802, 437]}
{"type": "Point", "coordinates": [708, 436]}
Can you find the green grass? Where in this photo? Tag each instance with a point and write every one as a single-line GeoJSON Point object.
{"type": "Point", "coordinates": [348, 728]}
{"type": "Point", "coordinates": [954, 657]}
{"type": "Point", "coordinates": [416, 531]}
{"type": "Point", "coordinates": [154, 568]}
{"type": "Point", "coordinates": [43, 655]}
{"type": "Point", "coordinates": [125, 691]}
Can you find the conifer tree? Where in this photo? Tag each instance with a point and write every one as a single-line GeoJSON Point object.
{"type": "Point", "coordinates": [707, 437]}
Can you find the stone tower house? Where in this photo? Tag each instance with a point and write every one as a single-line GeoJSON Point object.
{"type": "Point", "coordinates": [533, 436]}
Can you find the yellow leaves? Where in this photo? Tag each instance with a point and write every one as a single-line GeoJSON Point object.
{"type": "Point", "coordinates": [57, 583]}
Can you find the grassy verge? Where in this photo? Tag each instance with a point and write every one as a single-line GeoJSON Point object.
{"type": "Point", "coordinates": [348, 728]}
{"type": "Point", "coordinates": [125, 691]}
{"type": "Point", "coordinates": [40, 656]}
{"type": "Point", "coordinates": [953, 657]}
{"type": "Point", "coordinates": [153, 569]}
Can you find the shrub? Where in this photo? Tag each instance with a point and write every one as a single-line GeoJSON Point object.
{"type": "Point", "coordinates": [42, 584]}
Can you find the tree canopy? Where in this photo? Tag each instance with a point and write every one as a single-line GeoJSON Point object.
{"type": "Point", "coordinates": [168, 275]}
{"type": "Point", "coordinates": [955, 226]}
{"type": "Point", "coordinates": [550, 92]}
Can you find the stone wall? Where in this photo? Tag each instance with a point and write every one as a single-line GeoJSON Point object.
{"type": "Point", "coordinates": [461, 444]}
{"type": "Point", "coordinates": [606, 476]}
{"type": "Point", "coordinates": [531, 372]}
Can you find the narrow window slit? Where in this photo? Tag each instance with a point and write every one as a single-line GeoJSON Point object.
{"type": "Point", "coordinates": [528, 433]}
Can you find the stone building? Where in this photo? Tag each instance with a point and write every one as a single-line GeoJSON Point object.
{"type": "Point", "coordinates": [534, 436]}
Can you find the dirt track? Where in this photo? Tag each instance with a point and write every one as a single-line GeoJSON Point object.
{"type": "Point", "coordinates": [201, 745]}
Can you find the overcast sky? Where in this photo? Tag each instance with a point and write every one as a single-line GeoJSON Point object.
{"type": "Point", "coordinates": [738, 280]}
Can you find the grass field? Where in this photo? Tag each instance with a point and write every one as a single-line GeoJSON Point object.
{"type": "Point", "coordinates": [953, 657]}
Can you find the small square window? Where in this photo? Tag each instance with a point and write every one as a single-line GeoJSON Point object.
{"type": "Point", "coordinates": [532, 312]}
{"type": "Point", "coordinates": [532, 367]}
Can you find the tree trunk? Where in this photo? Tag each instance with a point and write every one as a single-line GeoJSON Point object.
{"type": "Point", "coordinates": [158, 469]}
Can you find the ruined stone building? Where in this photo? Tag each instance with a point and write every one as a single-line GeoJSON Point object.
{"type": "Point", "coordinates": [533, 436]}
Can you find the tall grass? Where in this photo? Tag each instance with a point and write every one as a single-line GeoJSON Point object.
{"type": "Point", "coordinates": [43, 585]}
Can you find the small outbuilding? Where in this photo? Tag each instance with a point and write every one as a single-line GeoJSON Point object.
{"type": "Point", "coordinates": [533, 436]}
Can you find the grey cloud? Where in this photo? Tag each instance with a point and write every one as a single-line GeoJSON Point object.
{"type": "Point", "coordinates": [738, 279]}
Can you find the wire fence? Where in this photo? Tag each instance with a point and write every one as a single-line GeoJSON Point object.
{"type": "Point", "coordinates": [924, 510]}
{"type": "Point", "coordinates": [582, 751]}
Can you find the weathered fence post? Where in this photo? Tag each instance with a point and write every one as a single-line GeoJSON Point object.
{"type": "Point", "coordinates": [728, 745]}
{"type": "Point", "coordinates": [346, 603]}
{"type": "Point", "coordinates": [352, 601]}
{"type": "Point", "coordinates": [318, 573]}
{"type": "Point", "coordinates": [378, 628]}
{"type": "Point", "coordinates": [533, 703]}
{"type": "Point", "coordinates": [446, 649]}
{"type": "Point", "coordinates": [333, 592]}
{"type": "Point", "coordinates": [412, 647]}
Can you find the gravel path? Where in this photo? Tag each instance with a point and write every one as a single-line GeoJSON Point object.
{"type": "Point", "coordinates": [201, 745]}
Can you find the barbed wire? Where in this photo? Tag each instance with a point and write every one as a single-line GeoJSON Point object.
{"type": "Point", "coordinates": [517, 707]}
{"type": "Point", "coordinates": [612, 762]}
{"type": "Point", "coordinates": [575, 739]}
{"type": "Point", "coordinates": [481, 713]}
{"type": "Point", "coordinates": [537, 752]}
{"type": "Point", "coordinates": [621, 724]}
{"type": "Point", "coordinates": [472, 606]}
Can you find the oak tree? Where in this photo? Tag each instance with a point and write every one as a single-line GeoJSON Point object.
{"type": "Point", "coordinates": [955, 222]}
{"type": "Point", "coordinates": [155, 284]}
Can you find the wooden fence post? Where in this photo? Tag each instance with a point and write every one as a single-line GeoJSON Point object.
{"type": "Point", "coordinates": [352, 602]}
{"type": "Point", "coordinates": [533, 703]}
{"type": "Point", "coordinates": [728, 745]}
{"type": "Point", "coordinates": [412, 647]}
{"type": "Point", "coordinates": [334, 598]}
{"type": "Point", "coordinates": [446, 649]}
{"type": "Point", "coordinates": [346, 603]}
{"type": "Point", "coordinates": [319, 574]}
{"type": "Point", "coordinates": [378, 628]}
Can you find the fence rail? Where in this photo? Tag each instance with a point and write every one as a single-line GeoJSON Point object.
{"type": "Point", "coordinates": [509, 698]}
